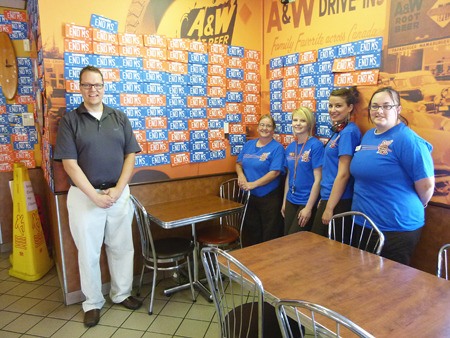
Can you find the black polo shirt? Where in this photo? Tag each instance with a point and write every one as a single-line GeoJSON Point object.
{"type": "Point", "coordinates": [99, 146]}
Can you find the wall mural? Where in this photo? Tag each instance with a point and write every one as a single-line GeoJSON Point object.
{"type": "Point", "coordinates": [414, 59]}
{"type": "Point", "coordinates": [187, 81]}
{"type": "Point", "coordinates": [418, 66]}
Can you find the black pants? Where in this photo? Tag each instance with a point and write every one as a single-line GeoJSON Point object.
{"type": "Point", "coordinates": [399, 245]}
{"type": "Point", "coordinates": [322, 229]}
{"type": "Point", "coordinates": [291, 212]}
{"type": "Point", "coordinates": [263, 220]}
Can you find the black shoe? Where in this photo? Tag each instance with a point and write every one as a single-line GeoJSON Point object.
{"type": "Point", "coordinates": [132, 303]}
{"type": "Point", "coordinates": [91, 317]}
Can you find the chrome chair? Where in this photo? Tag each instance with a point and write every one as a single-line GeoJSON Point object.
{"type": "Point", "coordinates": [442, 265]}
{"type": "Point", "coordinates": [238, 296]}
{"type": "Point", "coordinates": [228, 234]}
{"type": "Point", "coordinates": [307, 314]}
{"type": "Point", "coordinates": [165, 254]}
{"type": "Point", "coordinates": [356, 229]}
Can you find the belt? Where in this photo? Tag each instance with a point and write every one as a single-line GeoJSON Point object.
{"type": "Point", "coordinates": [102, 186]}
{"type": "Point", "coordinates": [105, 186]}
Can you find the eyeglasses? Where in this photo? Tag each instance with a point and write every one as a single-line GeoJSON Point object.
{"type": "Point", "coordinates": [89, 86]}
{"type": "Point", "coordinates": [268, 126]}
{"type": "Point", "coordinates": [385, 107]}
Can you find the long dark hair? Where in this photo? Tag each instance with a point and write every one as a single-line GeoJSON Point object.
{"type": "Point", "coordinates": [395, 96]}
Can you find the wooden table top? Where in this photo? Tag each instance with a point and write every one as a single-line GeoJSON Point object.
{"type": "Point", "coordinates": [386, 298]}
{"type": "Point", "coordinates": [191, 210]}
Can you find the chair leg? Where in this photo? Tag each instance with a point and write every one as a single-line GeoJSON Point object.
{"type": "Point", "coordinates": [152, 294]}
{"type": "Point", "coordinates": [140, 281]}
{"type": "Point", "coordinates": [190, 279]}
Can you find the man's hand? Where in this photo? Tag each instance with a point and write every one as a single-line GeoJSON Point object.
{"type": "Point", "coordinates": [103, 200]}
{"type": "Point", "coordinates": [114, 193]}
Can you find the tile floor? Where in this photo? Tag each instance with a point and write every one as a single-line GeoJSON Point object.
{"type": "Point", "coordinates": [36, 309]}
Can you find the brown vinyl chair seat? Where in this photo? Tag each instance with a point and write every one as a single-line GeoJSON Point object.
{"type": "Point", "coordinates": [227, 235]}
{"type": "Point", "coordinates": [219, 235]}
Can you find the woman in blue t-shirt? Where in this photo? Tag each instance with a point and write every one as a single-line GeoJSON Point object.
{"type": "Point", "coordinates": [394, 176]}
{"type": "Point", "coordinates": [258, 167]}
{"type": "Point", "coordinates": [336, 187]}
{"type": "Point", "coordinates": [304, 172]}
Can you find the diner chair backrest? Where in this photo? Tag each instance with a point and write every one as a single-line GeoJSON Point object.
{"type": "Point", "coordinates": [238, 296]}
{"type": "Point", "coordinates": [302, 316]}
{"type": "Point", "coordinates": [231, 190]}
{"type": "Point", "coordinates": [442, 265]}
{"type": "Point", "coordinates": [163, 254]}
{"type": "Point", "coordinates": [357, 229]}
{"type": "Point", "coordinates": [143, 223]}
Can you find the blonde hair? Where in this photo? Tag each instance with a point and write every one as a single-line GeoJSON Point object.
{"type": "Point", "coordinates": [308, 115]}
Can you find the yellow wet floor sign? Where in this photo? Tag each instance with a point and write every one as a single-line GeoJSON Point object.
{"type": "Point", "coordinates": [30, 259]}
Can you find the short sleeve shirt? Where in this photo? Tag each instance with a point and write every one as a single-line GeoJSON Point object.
{"type": "Point", "coordinates": [385, 168]}
{"type": "Point", "coordinates": [258, 161]}
{"type": "Point", "coordinates": [99, 146]}
{"type": "Point", "coordinates": [342, 143]}
{"type": "Point", "coordinates": [311, 157]}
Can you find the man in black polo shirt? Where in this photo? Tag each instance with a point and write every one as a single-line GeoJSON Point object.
{"type": "Point", "coordinates": [97, 148]}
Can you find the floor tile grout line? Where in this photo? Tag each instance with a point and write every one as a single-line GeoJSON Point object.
{"type": "Point", "coordinates": [117, 328]}
{"type": "Point", "coordinates": [210, 322]}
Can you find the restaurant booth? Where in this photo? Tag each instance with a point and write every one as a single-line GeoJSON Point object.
{"type": "Point", "coordinates": [194, 77]}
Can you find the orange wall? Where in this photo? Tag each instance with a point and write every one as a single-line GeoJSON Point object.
{"type": "Point", "coordinates": [238, 24]}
